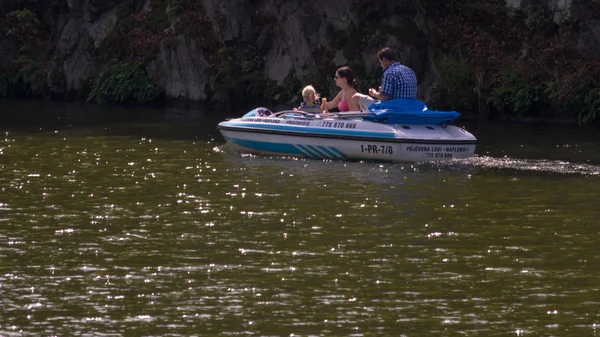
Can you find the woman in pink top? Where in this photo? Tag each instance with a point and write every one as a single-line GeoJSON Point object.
{"type": "Point", "coordinates": [344, 78]}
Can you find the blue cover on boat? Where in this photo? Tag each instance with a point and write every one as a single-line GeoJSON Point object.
{"type": "Point", "coordinates": [408, 111]}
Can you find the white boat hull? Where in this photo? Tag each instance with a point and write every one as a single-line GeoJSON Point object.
{"type": "Point", "coordinates": [348, 139]}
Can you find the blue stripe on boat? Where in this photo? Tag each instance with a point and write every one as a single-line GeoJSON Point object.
{"type": "Point", "coordinates": [321, 154]}
{"type": "Point", "coordinates": [289, 149]}
{"type": "Point", "coordinates": [266, 146]}
{"type": "Point", "coordinates": [297, 149]}
{"type": "Point", "coordinates": [317, 131]}
{"type": "Point", "coordinates": [340, 153]}
{"type": "Point", "coordinates": [310, 152]}
{"type": "Point", "coordinates": [303, 150]}
{"type": "Point", "coordinates": [329, 152]}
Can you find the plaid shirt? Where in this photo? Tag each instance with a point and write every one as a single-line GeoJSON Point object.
{"type": "Point", "coordinates": [399, 81]}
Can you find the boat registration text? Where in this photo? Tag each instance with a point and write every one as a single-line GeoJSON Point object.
{"type": "Point", "coordinates": [437, 151]}
{"type": "Point", "coordinates": [377, 149]}
{"type": "Point", "coordinates": [337, 125]}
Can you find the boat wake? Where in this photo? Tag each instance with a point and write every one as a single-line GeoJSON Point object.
{"type": "Point", "coordinates": [521, 165]}
{"type": "Point", "coordinates": [477, 163]}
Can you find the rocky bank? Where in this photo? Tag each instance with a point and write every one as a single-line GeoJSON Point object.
{"type": "Point", "coordinates": [263, 51]}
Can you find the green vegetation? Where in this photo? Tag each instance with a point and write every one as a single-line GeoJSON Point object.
{"type": "Point", "coordinates": [174, 9]}
{"type": "Point", "coordinates": [243, 70]}
{"type": "Point", "coordinates": [137, 34]}
{"type": "Point", "coordinates": [27, 78]}
{"type": "Point", "coordinates": [576, 92]}
{"type": "Point", "coordinates": [22, 25]}
{"type": "Point", "coordinates": [121, 82]}
{"type": "Point", "coordinates": [369, 81]}
{"type": "Point", "coordinates": [27, 74]}
{"type": "Point", "coordinates": [589, 105]}
{"type": "Point", "coordinates": [456, 89]}
{"type": "Point", "coordinates": [518, 63]}
{"type": "Point", "coordinates": [491, 60]}
{"type": "Point", "coordinates": [517, 94]}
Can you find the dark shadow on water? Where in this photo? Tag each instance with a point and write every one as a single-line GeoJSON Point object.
{"type": "Point", "coordinates": [536, 143]}
{"type": "Point", "coordinates": [176, 123]}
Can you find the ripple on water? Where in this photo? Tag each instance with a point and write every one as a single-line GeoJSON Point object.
{"type": "Point", "coordinates": [521, 165]}
{"type": "Point", "coordinates": [102, 235]}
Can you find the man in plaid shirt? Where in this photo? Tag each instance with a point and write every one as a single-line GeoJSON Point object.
{"type": "Point", "coordinates": [399, 81]}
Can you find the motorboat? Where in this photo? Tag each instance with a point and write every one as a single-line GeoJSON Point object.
{"type": "Point", "coordinates": [401, 130]}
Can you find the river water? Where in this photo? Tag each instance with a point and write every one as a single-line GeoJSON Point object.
{"type": "Point", "coordinates": [139, 222]}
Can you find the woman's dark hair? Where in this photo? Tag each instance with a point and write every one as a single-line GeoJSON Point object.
{"type": "Point", "coordinates": [386, 53]}
{"type": "Point", "coordinates": [348, 74]}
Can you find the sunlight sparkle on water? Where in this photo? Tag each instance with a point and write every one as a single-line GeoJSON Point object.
{"type": "Point", "coordinates": [131, 219]}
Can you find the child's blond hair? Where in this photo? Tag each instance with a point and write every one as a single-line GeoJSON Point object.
{"type": "Point", "coordinates": [309, 90]}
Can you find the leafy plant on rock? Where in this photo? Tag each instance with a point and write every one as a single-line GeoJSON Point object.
{"type": "Point", "coordinates": [22, 25]}
{"type": "Point", "coordinates": [121, 82]}
{"type": "Point", "coordinates": [517, 93]}
{"type": "Point", "coordinates": [456, 84]}
{"type": "Point", "coordinates": [25, 74]}
{"type": "Point", "coordinates": [590, 110]}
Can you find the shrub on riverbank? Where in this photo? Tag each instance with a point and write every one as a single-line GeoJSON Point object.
{"type": "Point", "coordinates": [26, 74]}
{"type": "Point", "coordinates": [121, 82]}
{"type": "Point", "coordinates": [456, 89]}
{"type": "Point", "coordinates": [481, 57]}
{"type": "Point", "coordinates": [520, 64]}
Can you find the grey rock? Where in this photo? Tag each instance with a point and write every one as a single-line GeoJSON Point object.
{"type": "Point", "coordinates": [339, 17]}
{"type": "Point", "coordinates": [76, 68]}
{"type": "Point", "coordinates": [339, 59]}
{"type": "Point", "coordinates": [101, 27]}
{"type": "Point", "coordinates": [181, 71]}
{"type": "Point", "coordinates": [147, 6]}
{"type": "Point", "coordinates": [70, 36]}
{"type": "Point", "coordinates": [96, 8]}
{"type": "Point", "coordinates": [369, 57]}
{"type": "Point", "coordinates": [75, 5]}
{"type": "Point", "coordinates": [287, 39]}
{"type": "Point", "coordinates": [72, 51]}
{"type": "Point", "coordinates": [278, 63]}
{"type": "Point", "coordinates": [229, 18]}
{"type": "Point", "coordinates": [61, 22]}
{"type": "Point", "coordinates": [290, 53]}
{"type": "Point", "coordinates": [588, 39]}
{"type": "Point", "coordinates": [395, 20]}
{"type": "Point", "coordinates": [265, 38]}
{"type": "Point", "coordinates": [516, 4]}
{"type": "Point", "coordinates": [562, 9]}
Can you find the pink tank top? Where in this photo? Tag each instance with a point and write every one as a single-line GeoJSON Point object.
{"type": "Point", "coordinates": [343, 105]}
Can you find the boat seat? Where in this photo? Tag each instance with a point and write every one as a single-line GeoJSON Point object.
{"type": "Point", "coordinates": [408, 111]}
{"type": "Point", "coordinates": [259, 112]}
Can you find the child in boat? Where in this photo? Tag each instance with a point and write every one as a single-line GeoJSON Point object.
{"type": "Point", "coordinates": [309, 97]}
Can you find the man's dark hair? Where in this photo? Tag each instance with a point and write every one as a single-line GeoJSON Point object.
{"type": "Point", "coordinates": [386, 53]}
